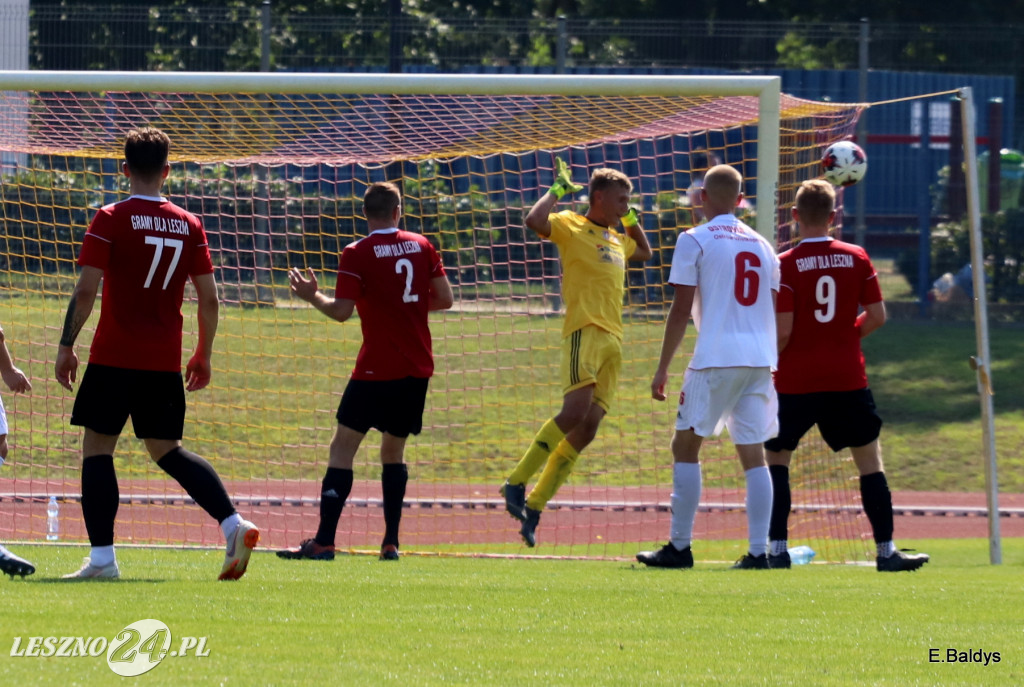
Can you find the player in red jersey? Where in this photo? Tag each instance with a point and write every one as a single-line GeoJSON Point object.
{"type": "Point", "coordinates": [392, 278]}
{"type": "Point", "coordinates": [821, 378]}
{"type": "Point", "coordinates": [143, 249]}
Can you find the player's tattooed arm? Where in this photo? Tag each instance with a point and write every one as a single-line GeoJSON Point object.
{"type": "Point", "coordinates": [80, 307]}
{"type": "Point", "coordinates": [73, 323]}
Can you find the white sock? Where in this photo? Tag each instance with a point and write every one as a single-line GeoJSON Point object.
{"type": "Point", "coordinates": [101, 556]}
{"type": "Point", "coordinates": [759, 508]}
{"type": "Point", "coordinates": [777, 547]}
{"type": "Point", "coordinates": [885, 548]}
{"type": "Point", "coordinates": [229, 525]}
{"type": "Point", "coordinates": [686, 487]}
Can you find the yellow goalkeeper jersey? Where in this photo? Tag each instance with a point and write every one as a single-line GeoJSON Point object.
{"type": "Point", "coordinates": [593, 271]}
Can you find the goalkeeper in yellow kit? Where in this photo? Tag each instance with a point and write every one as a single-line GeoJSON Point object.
{"type": "Point", "coordinates": [593, 255]}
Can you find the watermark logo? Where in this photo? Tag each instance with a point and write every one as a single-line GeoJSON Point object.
{"type": "Point", "coordinates": [139, 647]}
{"type": "Point", "coordinates": [135, 650]}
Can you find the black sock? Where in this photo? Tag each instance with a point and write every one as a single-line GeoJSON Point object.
{"type": "Point", "coordinates": [874, 492]}
{"type": "Point", "coordinates": [782, 503]}
{"type": "Point", "coordinates": [393, 478]}
{"type": "Point", "coordinates": [100, 498]}
{"type": "Point", "coordinates": [200, 481]}
{"type": "Point", "coordinates": [334, 491]}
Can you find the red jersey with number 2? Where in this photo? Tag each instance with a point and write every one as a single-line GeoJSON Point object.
{"type": "Point", "coordinates": [824, 283]}
{"type": "Point", "coordinates": [388, 275]}
{"type": "Point", "coordinates": [147, 248]}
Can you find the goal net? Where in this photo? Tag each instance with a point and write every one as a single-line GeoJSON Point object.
{"type": "Point", "coordinates": [276, 166]}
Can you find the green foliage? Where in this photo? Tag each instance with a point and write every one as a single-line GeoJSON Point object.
{"type": "Point", "coordinates": [357, 34]}
{"type": "Point", "coordinates": [799, 51]}
{"type": "Point", "coordinates": [1003, 245]}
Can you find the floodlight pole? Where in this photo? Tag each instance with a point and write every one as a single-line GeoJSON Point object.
{"type": "Point", "coordinates": [980, 362]}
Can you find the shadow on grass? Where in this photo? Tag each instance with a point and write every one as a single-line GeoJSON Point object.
{"type": "Point", "coordinates": [96, 580]}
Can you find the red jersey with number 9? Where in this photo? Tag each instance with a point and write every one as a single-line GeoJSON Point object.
{"type": "Point", "coordinates": [824, 283]}
{"type": "Point", "coordinates": [147, 248]}
{"type": "Point", "coordinates": [388, 275]}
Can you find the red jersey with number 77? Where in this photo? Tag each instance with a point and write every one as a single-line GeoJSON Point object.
{"type": "Point", "coordinates": [388, 275]}
{"type": "Point", "coordinates": [147, 247]}
{"type": "Point", "coordinates": [824, 283]}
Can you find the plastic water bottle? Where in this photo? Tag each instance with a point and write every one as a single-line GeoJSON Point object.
{"type": "Point", "coordinates": [801, 555]}
{"type": "Point", "coordinates": [52, 519]}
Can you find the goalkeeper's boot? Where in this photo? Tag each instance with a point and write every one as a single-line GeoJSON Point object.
{"type": "Point", "coordinates": [14, 565]}
{"type": "Point", "coordinates": [751, 562]}
{"type": "Point", "coordinates": [240, 546]}
{"type": "Point", "coordinates": [667, 556]}
{"type": "Point", "coordinates": [529, 528]}
{"type": "Point", "coordinates": [88, 571]}
{"type": "Point", "coordinates": [389, 552]}
{"type": "Point", "coordinates": [515, 500]}
{"type": "Point", "coordinates": [310, 549]}
{"type": "Point", "coordinates": [900, 561]}
{"type": "Point", "coordinates": [780, 561]}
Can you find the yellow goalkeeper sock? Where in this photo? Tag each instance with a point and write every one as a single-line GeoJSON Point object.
{"type": "Point", "coordinates": [558, 469]}
{"type": "Point", "coordinates": [543, 444]}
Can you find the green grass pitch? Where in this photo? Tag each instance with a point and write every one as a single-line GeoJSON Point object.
{"type": "Point", "coordinates": [430, 620]}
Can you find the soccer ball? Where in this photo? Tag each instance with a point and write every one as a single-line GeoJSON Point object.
{"type": "Point", "coordinates": [844, 163]}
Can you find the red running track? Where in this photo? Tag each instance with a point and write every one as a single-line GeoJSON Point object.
{"type": "Point", "coordinates": [597, 522]}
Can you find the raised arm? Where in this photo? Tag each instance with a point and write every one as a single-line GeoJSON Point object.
{"type": "Point", "coordinates": [79, 308]}
{"type": "Point", "coordinates": [339, 309]}
{"type": "Point", "coordinates": [631, 223]}
{"type": "Point", "coordinates": [675, 330]}
{"type": "Point", "coordinates": [537, 217]}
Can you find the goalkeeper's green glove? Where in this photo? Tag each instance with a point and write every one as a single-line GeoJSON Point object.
{"type": "Point", "coordinates": [630, 219]}
{"type": "Point", "coordinates": [563, 181]}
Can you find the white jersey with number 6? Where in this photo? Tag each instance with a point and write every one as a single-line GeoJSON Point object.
{"type": "Point", "coordinates": [735, 271]}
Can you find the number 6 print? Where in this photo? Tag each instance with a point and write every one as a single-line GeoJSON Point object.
{"type": "Point", "coordinates": [748, 281]}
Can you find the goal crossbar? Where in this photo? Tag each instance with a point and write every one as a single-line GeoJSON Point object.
{"type": "Point", "coordinates": [767, 89]}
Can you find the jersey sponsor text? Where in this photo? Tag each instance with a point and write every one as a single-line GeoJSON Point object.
{"type": "Point", "coordinates": [157, 223]}
{"type": "Point", "coordinates": [392, 250]}
{"type": "Point", "coordinates": [824, 262]}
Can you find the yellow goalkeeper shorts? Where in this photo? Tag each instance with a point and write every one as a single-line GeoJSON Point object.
{"type": "Point", "coordinates": [592, 356]}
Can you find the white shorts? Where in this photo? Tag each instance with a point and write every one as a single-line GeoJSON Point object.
{"type": "Point", "coordinates": [3, 419]}
{"type": "Point", "coordinates": [740, 398]}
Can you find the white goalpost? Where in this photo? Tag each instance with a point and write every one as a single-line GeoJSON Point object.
{"type": "Point", "coordinates": [981, 362]}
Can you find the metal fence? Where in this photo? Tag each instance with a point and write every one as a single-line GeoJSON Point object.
{"type": "Point", "coordinates": [211, 38]}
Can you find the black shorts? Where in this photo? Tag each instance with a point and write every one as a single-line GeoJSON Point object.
{"type": "Point", "coordinates": [394, 406]}
{"type": "Point", "coordinates": [844, 418]}
{"type": "Point", "coordinates": [108, 396]}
